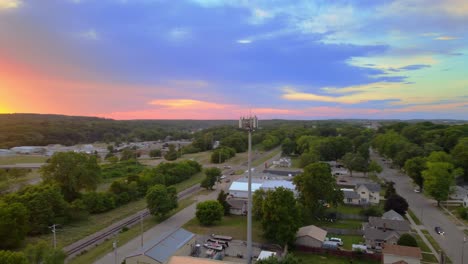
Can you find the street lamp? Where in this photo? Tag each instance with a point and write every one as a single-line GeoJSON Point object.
{"type": "Point", "coordinates": [250, 124]}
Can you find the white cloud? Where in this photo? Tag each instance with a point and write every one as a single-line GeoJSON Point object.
{"type": "Point", "coordinates": [178, 34]}
{"type": "Point", "coordinates": [244, 41]}
{"type": "Point", "coordinates": [90, 34]}
{"type": "Point", "coordinates": [10, 4]}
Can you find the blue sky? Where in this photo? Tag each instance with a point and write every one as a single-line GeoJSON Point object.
{"type": "Point", "coordinates": [213, 59]}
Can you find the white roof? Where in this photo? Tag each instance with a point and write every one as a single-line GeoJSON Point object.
{"type": "Point", "coordinates": [244, 186]}
{"type": "Point", "coordinates": [278, 183]}
{"type": "Point", "coordinates": [265, 254]}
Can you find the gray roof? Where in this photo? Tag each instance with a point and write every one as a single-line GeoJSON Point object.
{"type": "Point", "coordinates": [351, 195]}
{"type": "Point", "coordinates": [392, 215]}
{"type": "Point", "coordinates": [162, 248]}
{"type": "Point", "coordinates": [378, 234]}
{"type": "Point", "coordinates": [397, 225]}
{"type": "Point", "coordinates": [373, 187]}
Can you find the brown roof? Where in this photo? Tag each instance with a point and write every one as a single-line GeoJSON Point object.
{"type": "Point", "coordinates": [191, 260]}
{"type": "Point", "coordinates": [405, 251]}
{"type": "Point", "coordinates": [313, 232]}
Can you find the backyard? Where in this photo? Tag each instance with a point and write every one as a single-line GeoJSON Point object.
{"type": "Point", "coordinates": [330, 259]}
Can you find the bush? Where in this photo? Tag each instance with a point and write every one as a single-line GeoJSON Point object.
{"type": "Point", "coordinates": [407, 240]}
{"type": "Point", "coordinates": [155, 153]}
{"type": "Point", "coordinates": [98, 202]}
{"type": "Point", "coordinates": [463, 213]}
{"type": "Point", "coordinates": [209, 212]}
{"type": "Point", "coordinates": [372, 211]}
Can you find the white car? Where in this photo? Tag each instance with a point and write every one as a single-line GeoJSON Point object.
{"type": "Point", "coordinates": [337, 240]}
{"type": "Point", "coordinates": [223, 177]}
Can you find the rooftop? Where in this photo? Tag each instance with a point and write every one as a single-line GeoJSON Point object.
{"type": "Point", "coordinates": [413, 252]}
{"type": "Point", "coordinates": [312, 231]}
{"type": "Point", "coordinates": [398, 225]}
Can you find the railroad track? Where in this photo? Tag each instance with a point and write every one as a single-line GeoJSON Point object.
{"type": "Point", "coordinates": [76, 249]}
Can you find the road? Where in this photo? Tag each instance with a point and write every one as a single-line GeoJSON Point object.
{"type": "Point", "coordinates": [426, 210]}
{"type": "Point", "coordinates": [175, 221]}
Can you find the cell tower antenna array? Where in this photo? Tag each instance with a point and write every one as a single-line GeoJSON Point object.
{"type": "Point", "coordinates": [250, 124]}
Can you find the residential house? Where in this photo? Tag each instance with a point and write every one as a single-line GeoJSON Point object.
{"type": "Point", "coordinates": [158, 251]}
{"type": "Point", "coordinates": [351, 197]}
{"type": "Point", "coordinates": [369, 192]}
{"type": "Point", "coordinates": [392, 215]}
{"type": "Point", "coordinates": [401, 254]}
{"type": "Point", "coordinates": [379, 231]}
{"type": "Point", "coordinates": [310, 236]}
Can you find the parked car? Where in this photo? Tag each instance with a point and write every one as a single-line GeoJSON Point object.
{"type": "Point", "coordinates": [439, 230]}
{"type": "Point", "coordinates": [222, 177]}
{"type": "Point", "coordinates": [417, 190]}
{"type": "Point", "coordinates": [337, 240]}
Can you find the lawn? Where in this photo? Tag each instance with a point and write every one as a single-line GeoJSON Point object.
{"type": "Point", "coordinates": [200, 157]}
{"type": "Point", "coordinates": [342, 223]}
{"type": "Point", "coordinates": [18, 159]}
{"type": "Point", "coordinates": [428, 257]}
{"type": "Point", "coordinates": [270, 155]}
{"type": "Point", "coordinates": [434, 243]}
{"type": "Point", "coordinates": [329, 259]}
{"type": "Point", "coordinates": [195, 179]}
{"type": "Point", "coordinates": [347, 209]}
{"type": "Point", "coordinates": [414, 217]}
{"type": "Point", "coordinates": [123, 237]}
{"type": "Point", "coordinates": [32, 176]}
{"type": "Point", "coordinates": [235, 226]}
{"type": "Point", "coordinates": [348, 240]}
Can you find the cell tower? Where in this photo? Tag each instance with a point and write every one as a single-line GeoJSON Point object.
{"type": "Point", "coordinates": [250, 124]}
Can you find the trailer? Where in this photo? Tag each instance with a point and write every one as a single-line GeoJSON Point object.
{"type": "Point", "coordinates": [219, 237]}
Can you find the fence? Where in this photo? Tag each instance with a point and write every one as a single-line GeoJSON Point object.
{"type": "Point", "coordinates": [341, 231]}
{"type": "Point", "coordinates": [341, 253]}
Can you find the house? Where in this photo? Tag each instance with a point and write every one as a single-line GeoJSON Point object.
{"type": "Point", "coordinates": [351, 197]}
{"type": "Point", "coordinates": [379, 231]}
{"type": "Point", "coordinates": [369, 192]}
{"type": "Point", "coordinates": [392, 215]}
{"type": "Point", "coordinates": [310, 236]}
{"type": "Point", "coordinates": [158, 251]}
{"type": "Point", "coordinates": [393, 254]}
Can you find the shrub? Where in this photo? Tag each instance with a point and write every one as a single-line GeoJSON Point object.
{"type": "Point", "coordinates": [209, 212]}
{"type": "Point", "coordinates": [463, 213]}
{"type": "Point", "coordinates": [407, 240]}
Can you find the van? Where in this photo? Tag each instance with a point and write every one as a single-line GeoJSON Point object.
{"type": "Point", "coordinates": [337, 240]}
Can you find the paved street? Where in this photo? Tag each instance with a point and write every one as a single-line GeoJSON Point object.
{"type": "Point", "coordinates": [426, 210]}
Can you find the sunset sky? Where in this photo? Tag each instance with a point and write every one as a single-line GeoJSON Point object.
{"type": "Point", "coordinates": [214, 59]}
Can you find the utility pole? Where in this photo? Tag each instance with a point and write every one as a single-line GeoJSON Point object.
{"type": "Point", "coordinates": [55, 237]}
{"type": "Point", "coordinates": [141, 228]}
{"type": "Point", "coordinates": [249, 124]}
{"type": "Point", "coordinates": [114, 245]}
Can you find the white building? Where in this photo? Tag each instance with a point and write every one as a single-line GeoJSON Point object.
{"type": "Point", "coordinates": [362, 194]}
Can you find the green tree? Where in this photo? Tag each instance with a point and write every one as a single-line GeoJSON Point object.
{"type": "Point", "coordinates": [439, 156]}
{"type": "Point", "coordinates": [161, 200]}
{"type": "Point", "coordinates": [317, 186]}
{"type": "Point", "coordinates": [390, 190]}
{"type": "Point", "coordinates": [414, 168]}
{"type": "Point", "coordinates": [72, 172]}
{"type": "Point", "coordinates": [128, 154]}
{"type": "Point", "coordinates": [222, 196]}
{"type": "Point", "coordinates": [439, 177]}
{"type": "Point", "coordinates": [212, 176]}
{"type": "Point", "coordinates": [307, 158]}
{"type": "Point", "coordinates": [354, 162]}
{"type": "Point", "coordinates": [10, 257]}
{"type": "Point", "coordinates": [396, 203]}
{"type": "Point", "coordinates": [288, 146]}
{"type": "Point", "coordinates": [155, 153]}
{"type": "Point", "coordinates": [172, 153]}
{"type": "Point", "coordinates": [374, 167]}
{"type": "Point", "coordinates": [407, 240]}
{"type": "Point", "coordinates": [42, 253]}
{"type": "Point", "coordinates": [13, 224]}
{"type": "Point", "coordinates": [280, 216]}
{"type": "Point", "coordinates": [209, 212]}
{"type": "Point", "coordinates": [257, 203]}
{"type": "Point", "coordinates": [460, 155]}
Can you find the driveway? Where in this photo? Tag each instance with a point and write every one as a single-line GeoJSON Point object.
{"type": "Point", "coordinates": [426, 210]}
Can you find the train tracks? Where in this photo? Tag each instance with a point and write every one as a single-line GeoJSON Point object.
{"type": "Point", "coordinates": [97, 238]}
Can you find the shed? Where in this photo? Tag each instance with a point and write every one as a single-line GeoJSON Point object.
{"type": "Point", "coordinates": [310, 236]}
{"type": "Point", "coordinates": [161, 249]}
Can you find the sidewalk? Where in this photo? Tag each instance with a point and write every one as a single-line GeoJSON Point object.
{"type": "Point", "coordinates": [423, 237]}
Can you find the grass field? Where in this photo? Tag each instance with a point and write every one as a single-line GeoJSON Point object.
{"type": "Point", "coordinates": [106, 247]}
{"type": "Point", "coordinates": [415, 218]}
{"type": "Point", "coordinates": [295, 161]}
{"type": "Point", "coordinates": [273, 153]}
{"type": "Point", "coordinates": [348, 240]}
{"type": "Point", "coordinates": [328, 259]}
{"type": "Point", "coordinates": [347, 209]}
{"type": "Point", "coordinates": [235, 226]}
{"type": "Point", "coordinates": [19, 159]}
{"type": "Point", "coordinates": [7, 184]}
